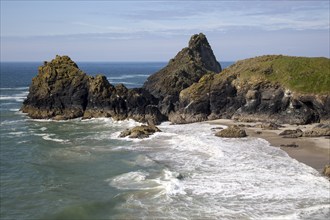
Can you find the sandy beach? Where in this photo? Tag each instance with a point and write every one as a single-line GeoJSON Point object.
{"type": "Point", "coordinates": [313, 151]}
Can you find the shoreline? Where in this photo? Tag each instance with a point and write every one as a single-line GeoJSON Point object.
{"type": "Point", "coordinates": [312, 151]}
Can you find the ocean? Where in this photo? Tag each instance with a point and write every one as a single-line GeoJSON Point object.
{"type": "Point", "coordinates": [80, 169]}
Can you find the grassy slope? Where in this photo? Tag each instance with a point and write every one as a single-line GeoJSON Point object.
{"type": "Point", "coordinates": [299, 74]}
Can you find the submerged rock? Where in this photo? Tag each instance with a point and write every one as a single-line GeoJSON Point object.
{"type": "Point", "coordinates": [232, 132]}
{"type": "Point", "coordinates": [294, 145]}
{"type": "Point", "coordinates": [180, 176]}
{"type": "Point", "coordinates": [142, 131]}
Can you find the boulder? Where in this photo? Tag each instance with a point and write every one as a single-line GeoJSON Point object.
{"type": "Point", "coordinates": [291, 133]}
{"type": "Point", "coordinates": [142, 131]}
{"type": "Point", "coordinates": [232, 132]}
{"type": "Point", "coordinates": [326, 170]}
{"type": "Point", "coordinates": [269, 126]}
{"type": "Point", "coordinates": [318, 131]}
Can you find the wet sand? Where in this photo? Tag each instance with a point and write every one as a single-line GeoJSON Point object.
{"type": "Point", "coordinates": [314, 152]}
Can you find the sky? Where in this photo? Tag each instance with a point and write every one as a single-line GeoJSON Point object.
{"type": "Point", "coordinates": [156, 30]}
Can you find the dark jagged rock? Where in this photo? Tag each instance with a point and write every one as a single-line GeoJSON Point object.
{"type": "Point", "coordinates": [59, 91]}
{"type": "Point", "coordinates": [232, 132]}
{"type": "Point", "coordinates": [272, 89]}
{"type": "Point", "coordinates": [188, 66]}
{"type": "Point", "coordinates": [267, 89]}
{"type": "Point", "coordinates": [62, 91]}
{"type": "Point", "coordinates": [142, 131]}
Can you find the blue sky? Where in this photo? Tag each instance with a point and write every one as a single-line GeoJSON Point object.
{"type": "Point", "coordinates": [157, 30]}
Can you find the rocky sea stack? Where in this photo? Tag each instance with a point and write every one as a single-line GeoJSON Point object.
{"type": "Point", "coordinates": [191, 88]}
{"type": "Point", "coordinates": [186, 68]}
{"type": "Point", "coordinates": [62, 91]}
{"type": "Point", "coordinates": [59, 91]}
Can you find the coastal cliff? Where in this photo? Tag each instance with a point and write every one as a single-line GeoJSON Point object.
{"type": "Point", "coordinates": [191, 88]}
{"type": "Point", "coordinates": [186, 68]}
{"type": "Point", "coordinates": [282, 89]}
{"type": "Point", "coordinates": [62, 91]}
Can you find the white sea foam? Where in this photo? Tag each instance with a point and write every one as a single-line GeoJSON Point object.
{"type": "Point", "coordinates": [49, 137]}
{"type": "Point", "coordinates": [132, 180]}
{"type": "Point", "coordinates": [54, 121]}
{"type": "Point", "coordinates": [144, 161]}
{"type": "Point", "coordinates": [113, 123]}
{"type": "Point", "coordinates": [17, 133]}
{"type": "Point", "coordinates": [165, 183]}
{"type": "Point", "coordinates": [16, 98]}
{"type": "Point", "coordinates": [172, 185]}
{"type": "Point", "coordinates": [14, 88]}
{"type": "Point", "coordinates": [9, 122]}
{"type": "Point", "coordinates": [127, 76]}
{"type": "Point", "coordinates": [228, 178]}
{"type": "Point", "coordinates": [313, 212]}
{"type": "Point", "coordinates": [125, 83]}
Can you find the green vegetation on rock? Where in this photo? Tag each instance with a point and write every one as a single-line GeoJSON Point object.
{"type": "Point", "coordinates": [299, 74]}
{"type": "Point", "coordinates": [271, 88]}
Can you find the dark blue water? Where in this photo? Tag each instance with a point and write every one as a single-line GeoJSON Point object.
{"type": "Point", "coordinates": [80, 169]}
{"type": "Point", "coordinates": [18, 75]}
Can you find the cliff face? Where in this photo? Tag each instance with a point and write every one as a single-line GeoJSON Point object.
{"type": "Point", "coordinates": [282, 89]}
{"type": "Point", "coordinates": [62, 91]}
{"type": "Point", "coordinates": [59, 91]}
{"type": "Point", "coordinates": [261, 89]}
{"type": "Point", "coordinates": [186, 68]}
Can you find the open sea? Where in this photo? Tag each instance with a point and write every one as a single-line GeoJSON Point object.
{"type": "Point", "coordinates": [80, 169]}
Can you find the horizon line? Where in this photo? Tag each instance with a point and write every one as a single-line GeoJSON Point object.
{"type": "Point", "coordinates": [86, 61]}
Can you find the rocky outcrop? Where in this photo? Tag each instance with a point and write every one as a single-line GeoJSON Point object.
{"type": "Point", "coordinates": [186, 68]}
{"type": "Point", "coordinates": [326, 170]}
{"type": "Point", "coordinates": [232, 132]}
{"type": "Point", "coordinates": [62, 91]}
{"type": "Point", "coordinates": [272, 89]}
{"type": "Point", "coordinates": [291, 133]}
{"type": "Point", "coordinates": [142, 131]}
{"type": "Point", "coordinates": [318, 131]}
{"type": "Point", "coordinates": [267, 89]}
{"type": "Point", "coordinates": [59, 91]}
{"type": "Point", "coordinates": [269, 126]}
